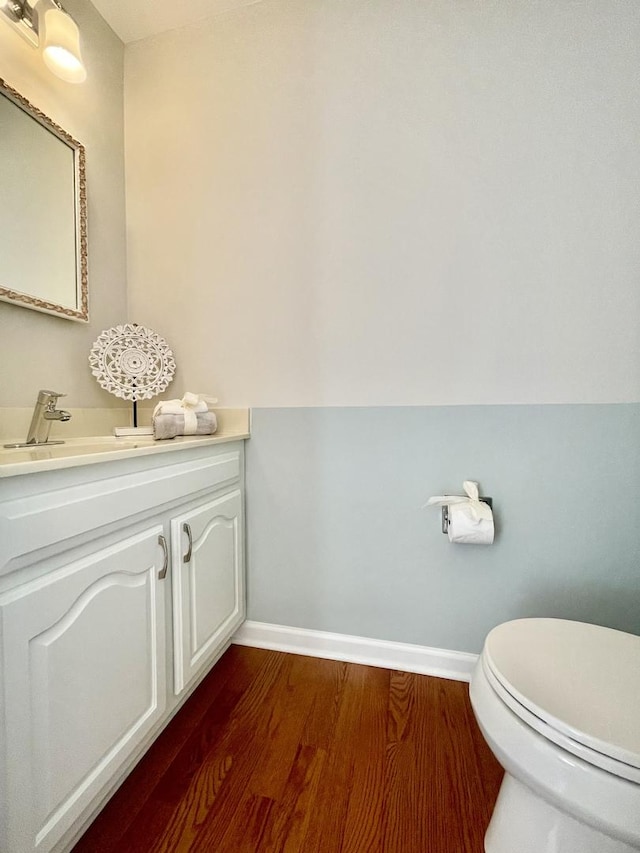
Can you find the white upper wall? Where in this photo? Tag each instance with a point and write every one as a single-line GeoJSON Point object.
{"type": "Point", "coordinates": [346, 202]}
{"type": "Point", "coordinates": [38, 350]}
{"type": "Point", "coordinates": [133, 21]}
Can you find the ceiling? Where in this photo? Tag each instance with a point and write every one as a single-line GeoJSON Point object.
{"type": "Point", "coordinates": [142, 18]}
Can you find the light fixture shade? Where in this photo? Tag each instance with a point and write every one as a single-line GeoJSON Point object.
{"type": "Point", "coordinates": [61, 47]}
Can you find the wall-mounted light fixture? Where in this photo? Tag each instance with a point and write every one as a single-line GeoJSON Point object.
{"type": "Point", "coordinates": [45, 24]}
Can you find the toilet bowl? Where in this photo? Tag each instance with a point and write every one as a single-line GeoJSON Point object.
{"type": "Point", "coordinates": [558, 702]}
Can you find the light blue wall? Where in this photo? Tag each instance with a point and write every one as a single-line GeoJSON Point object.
{"type": "Point", "coordinates": [337, 539]}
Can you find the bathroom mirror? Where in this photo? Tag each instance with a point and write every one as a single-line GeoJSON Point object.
{"type": "Point", "coordinates": [43, 212]}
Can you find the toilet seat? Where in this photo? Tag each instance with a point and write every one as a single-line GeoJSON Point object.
{"type": "Point", "coordinates": [559, 676]}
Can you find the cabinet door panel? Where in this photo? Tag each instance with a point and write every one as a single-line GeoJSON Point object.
{"type": "Point", "coordinates": [208, 590]}
{"type": "Point", "coordinates": [84, 683]}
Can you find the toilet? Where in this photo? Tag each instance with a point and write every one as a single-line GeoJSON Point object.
{"type": "Point", "coordinates": [558, 702]}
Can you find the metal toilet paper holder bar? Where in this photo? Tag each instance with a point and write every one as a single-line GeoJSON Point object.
{"type": "Point", "coordinates": [445, 513]}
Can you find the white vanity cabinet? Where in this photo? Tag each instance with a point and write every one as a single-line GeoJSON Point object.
{"type": "Point", "coordinates": [105, 627]}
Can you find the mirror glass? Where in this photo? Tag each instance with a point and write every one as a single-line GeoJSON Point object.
{"type": "Point", "coordinates": [43, 239]}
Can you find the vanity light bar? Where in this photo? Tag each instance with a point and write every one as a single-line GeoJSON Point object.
{"type": "Point", "coordinates": [20, 14]}
{"type": "Point", "coordinates": [47, 22]}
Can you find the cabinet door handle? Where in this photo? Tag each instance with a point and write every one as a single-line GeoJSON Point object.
{"type": "Point", "coordinates": [165, 563]}
{"type": "Point", "coordinates": [187, 530]}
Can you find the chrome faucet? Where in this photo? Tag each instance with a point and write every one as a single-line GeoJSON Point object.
{"type": "Point", "coordinates": [44, 412]}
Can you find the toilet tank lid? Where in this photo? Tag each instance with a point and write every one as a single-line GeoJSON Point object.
{"type": "Point", "coordinates": [581, 679]}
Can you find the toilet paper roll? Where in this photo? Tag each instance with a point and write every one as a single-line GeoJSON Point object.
{"type": "Point", "coordinates": [470, 519]}
{"type": "Point", "coordinates": [471, 524]}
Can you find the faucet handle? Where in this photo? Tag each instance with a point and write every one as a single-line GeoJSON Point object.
{"type": "Point", "coordinates": [46, 396]}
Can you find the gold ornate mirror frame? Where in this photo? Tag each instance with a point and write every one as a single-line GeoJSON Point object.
{"type": "Point", "coordinates": [39, 301]}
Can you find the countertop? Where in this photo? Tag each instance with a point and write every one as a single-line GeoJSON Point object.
{"type": "Point", "coordinates": [97, 449]}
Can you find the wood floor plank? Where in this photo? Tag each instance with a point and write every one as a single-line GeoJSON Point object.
{"type": "Point", "coordinates": [286, 718]}
{"type": "Point", "coordinates": [333, 734]}
{"type": "Point", "coordinates": [410, 767]}
{"type": "Point", "coordinates": [245, 833]}
{"type": "Point", "coordinates": [277, 753]}
{"type": "Point", "coordinates": [330, 678]}
{"type": "Point", "coordinates": [364, 731]}
{"type": "Point", "coordinates": [289, 822]}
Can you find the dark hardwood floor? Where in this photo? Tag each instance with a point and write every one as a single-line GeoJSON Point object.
{"type": "Point", "coordinates": [278, 752]}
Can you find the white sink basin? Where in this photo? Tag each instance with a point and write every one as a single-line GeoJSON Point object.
{"type": "Point", "coordinates": [72, 447]}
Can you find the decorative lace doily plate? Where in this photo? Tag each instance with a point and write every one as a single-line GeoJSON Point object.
{"type": "Point", "coordinates": [132, 362]}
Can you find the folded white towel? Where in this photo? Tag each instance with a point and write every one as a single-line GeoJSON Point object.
{"type": "Point", "coordinates": [169, 426]}
{"type": "Point", "coordinates": [190, 406]}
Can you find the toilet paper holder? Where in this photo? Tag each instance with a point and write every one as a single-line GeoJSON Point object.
{"type": "Point", "coordinates": [445, 512]}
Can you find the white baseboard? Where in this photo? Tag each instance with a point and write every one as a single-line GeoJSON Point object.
{"type": "Point", "coordinates": [441, 663]}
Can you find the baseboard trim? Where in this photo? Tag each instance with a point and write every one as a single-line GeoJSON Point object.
{"type": "Point", "coordinates": [442, 663]}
